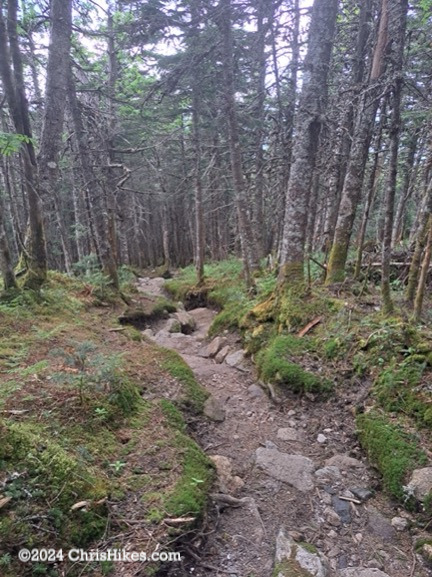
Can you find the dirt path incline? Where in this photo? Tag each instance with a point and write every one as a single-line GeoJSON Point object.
{"type": "Point", "coordinates": [296, 497]}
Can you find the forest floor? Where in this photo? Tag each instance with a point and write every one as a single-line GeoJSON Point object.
{"type": "Point", "coordinates": [291, 476]}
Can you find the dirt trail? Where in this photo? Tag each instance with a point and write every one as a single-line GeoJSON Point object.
{"type": "Point", "coordinates": [298, 474]}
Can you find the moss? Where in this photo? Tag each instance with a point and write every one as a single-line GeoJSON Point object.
{"type": "Point", "coordinates": [172, 414]}
{"type": "Point", "coordinates": [133, 334]}
{"type": "Point", "coordinates": [194, 395]}
{"type": "Point", "coordinates": [398, 389]}
{"type": "Point", "coordinates": [394, 452]}
{"type": "Point", "coordinates": [27, 447]}
{"type": "Point", "coordinates": [289, 568]}
{"type": "Point", "coordinates": [275, 365]}
{"type": "Point", "coordinates": [190, 493]}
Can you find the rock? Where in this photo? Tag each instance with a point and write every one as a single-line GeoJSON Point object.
{"type": "Point", "coordinates": [187, 322]}
{"type": "Point", "coordinates": [214, 410]}
{"type": "Point", "coordinates": [290, 555]}
{"type": "Point", "coordinates": [173, 326]}
{"type": "Point", "coordinates": [222, 354]}
{"type": "Point", "coordinates": [361, 493]}
{"type": "Point", "coordinates": [162, 334]}
{"type": "Point", "coordinates": [289, 434]}
{"type": "Point", "coordinates": [321, 439]}
{"type": "Point", "coordinates": [421, 483]}
{"type": "Point", "coordinates": [148, 333]}
{"type": "Point", "coordinates": [228, 483]}
{"type": "Point", "coordinates": [332, 517]}
{"type": "Point", "coordinates": [399, 523]}
{"type": "Point", "coordinates": [295, 470]}
{"type": "Point", "coordinates": [327, 473]}
{"type": "Point", "coordinates": [342, 509]}
{"type": "Point", "coordinates": [256, 391]}
{"type": "Point", "coordinates": [236, 360]}
{"type": "Point", "coordinates": [426, 552]}
{"type": "Point", "coordinates": [344, 462]}
{"type": "Point", "coordinates": [379, 525]}
{"type": "Point", "coordinates": [215, 346]}
{"type": "Point", "coordinates": [361, 572]}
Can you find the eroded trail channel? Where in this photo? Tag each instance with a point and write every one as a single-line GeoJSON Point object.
{"type": "Point", "coordinates": [295, 496]}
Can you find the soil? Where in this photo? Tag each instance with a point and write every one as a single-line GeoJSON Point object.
{"type": "Point", "coordinates": [240, 540]}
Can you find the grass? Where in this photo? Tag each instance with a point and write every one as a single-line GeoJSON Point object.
{"type": "Point", "coordinates": [76, 428]}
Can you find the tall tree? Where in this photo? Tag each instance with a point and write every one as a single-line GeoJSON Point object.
{"type": "Point", "coordinates": [307, 131]}
{"type": "Point", "coordinates": [12, 77]}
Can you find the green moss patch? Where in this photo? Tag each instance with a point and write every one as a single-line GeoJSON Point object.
{"type": "Point", "coordinates": [391, 449]}
{"type": "Point", "coordinates": [275, 365]}
{"type": "Point", "coordinates": [194, 395]}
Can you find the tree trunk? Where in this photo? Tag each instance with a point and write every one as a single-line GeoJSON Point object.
{"type": "Point", "coordinates": [12, 77]}
{"type": "Point", "coordinates": [307, 130]}
{"type": "Point", "coordinates": [249, 252]}
{"type": "Point", "coordinates": [354, 176]}
{"type": "Point", "coordinates": [399, 9]}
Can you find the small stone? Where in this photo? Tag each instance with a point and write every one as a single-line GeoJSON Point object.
{"type": "Point", "coordinates": [291, 413]}
{"type": "Point", "coordinates": [327, 473]}
{"type": "Point", "coordinates": [220, 357]}
{"type": "Point", "coordinates": [256, 391]}
{"type": "Point", "coordinates": [228, 483]}
{"type": "Point", "coordinates": [362, 493]}
{"type": "Point", "coordinates": [358, 538]}
{"type": "Point", "coordinates": [342, 508]}
{"type": "Point", "coordinates": [288, 434]}
{"type": "Point", "coordinates": [271, 445]}
{"type": "Point", "coordinates": [321, 439]}
{"type": "Point", "coordinates": [148, 333]}
{"type": "Point", "coordinates": [344, 462]}
{"type": "Point", "coordinates": [214, 410]}
{"type": "Point", "coordinates": [332, 517]}
{"type": "Point", "coordinates": [361, 572]}
{"type": "Point", "coordinates": [295, 556]}
{"type": "Point", "coordinates": [399, 523]}
{"type": "Point", "coordinates": [332, 534]}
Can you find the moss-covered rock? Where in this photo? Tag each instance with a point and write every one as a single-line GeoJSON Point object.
{"type": "Point", "coordinates": [393, 451]}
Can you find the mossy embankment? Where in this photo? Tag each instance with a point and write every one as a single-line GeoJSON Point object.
{"type": "Point", "coordinates": [326, 340]}
{"type": "Point", "coordinates": [93, 431]}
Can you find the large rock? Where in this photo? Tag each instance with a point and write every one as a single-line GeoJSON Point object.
{"type": "Point", "coordinates": [187, 322]}
{"type": "Point", "coordinates": [295, 470]}
{"type": "Point", "coordinates": [215, 346]}
{"type": "Point", "coordinates": [222, 354]}
{"type": "Point", "coordinates": [295, 559]}
{"type": "Point", "coordinates": [236, 360]}
{"type": "Point", "coordinates": [379, 525]}
{"type": "Point", "coordinates": [289, 434]}
{"type": "Point", "coordinates": [421, 483]}
{"type": "Point", "coordinates": [214, 410]}
{"type": "Point", "coordinates": [173, 326]}
{"type": "Point", "coordinates": [360, 572]}
{"type": "Point", "coordinates": [228, 483]}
